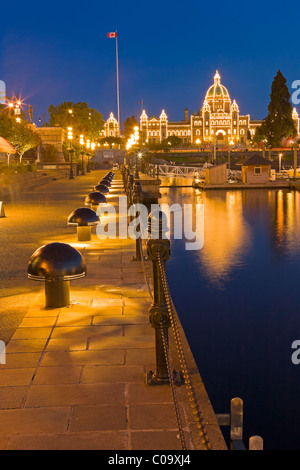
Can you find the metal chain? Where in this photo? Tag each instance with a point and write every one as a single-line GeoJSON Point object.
{"type": "Point", "coordinates": [188, 382]}
{"type": "Point", "coordinates": [145, 269]}
{"type": "Point", "coordinates": [187, 379]}
{"type": "Point", "coordinates": [172, 383]}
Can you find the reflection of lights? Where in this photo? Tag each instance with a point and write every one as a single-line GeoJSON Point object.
{"type": "Point", "coordinates": [80, 245]}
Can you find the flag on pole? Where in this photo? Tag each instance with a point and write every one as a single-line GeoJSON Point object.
{"type": "Point", "coordinates": [112, 35]}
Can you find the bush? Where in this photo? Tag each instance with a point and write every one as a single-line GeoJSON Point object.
{"type": "Point", "coordinates": [13, 169]}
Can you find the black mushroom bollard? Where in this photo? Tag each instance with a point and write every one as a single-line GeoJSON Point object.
{"type": "Point", "coordinates": [137, 193]}
{"type": "Point", "coordinates": [106, 182]}
{"type": "Point", "coordinates": [101, 188]}
{"type": "Point", "coordinates": [84, 218]}
{"type": "Point", "coordinates": [158, 250]}
{"type": "Point", "coordinates": [93, 199]}
{"type": "Point", "coordinates": [57, 264]}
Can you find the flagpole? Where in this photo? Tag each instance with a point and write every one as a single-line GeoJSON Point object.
{"type": "Point", "coordinates": [118, 90]}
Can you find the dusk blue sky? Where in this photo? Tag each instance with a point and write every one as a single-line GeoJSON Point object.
{"type": "Point", "coordinates": [168, 53]}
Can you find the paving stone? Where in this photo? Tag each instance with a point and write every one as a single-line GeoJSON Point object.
{"type": "Point", "coordinates": [112, 374]}
{"type": "Point", "coordinates": [153, 416]}
{"type": "Point", "coordinates": [34, 420]}
{"type": "Point", "coordinates": [13, 377]}
{"type": "Point", "coordinates": [25, 345]}
{"type": "Point", "coordinates": [58, 375]}
{"type": "Point", "coordinates": [69, 441]}
{"type": "Point", "coordinates": [32, 333]}
{"type": "Point", "coordinates": [121, 342]}
{"type": "Point", "coordinates": [67, 344]}
{"type": "Point", "coordinates": [83, 358]}
{"type": "Point", "coordinates": [20, 360]}
{"type": "Point", "coordinates": [88, 331]}
{"type": "Point", "coordinates": [155, 440]}
{"type": "Point", "coordinates": [74, 394]}
{"type": "Point", "coordinates": [98, 418]}
{"type": "Point", "coordinates": [12, 397]}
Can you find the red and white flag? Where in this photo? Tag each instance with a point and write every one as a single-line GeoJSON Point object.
{"type": "Point", "coordinates": [112, 35]}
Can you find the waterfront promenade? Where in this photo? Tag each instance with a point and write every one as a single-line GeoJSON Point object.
{"type": "Point", "coordinates": [74, 377]}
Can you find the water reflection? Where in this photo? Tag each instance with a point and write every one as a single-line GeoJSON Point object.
{"type": "Point", "coordinates": [238, 300]}
{"type": "Point", "coordinates": [226, 233]}
{"type": "Point", "coordinates": [229, 217]}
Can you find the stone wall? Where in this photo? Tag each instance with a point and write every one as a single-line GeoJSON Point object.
{"type": "Point", "coordinates": [53, 136]}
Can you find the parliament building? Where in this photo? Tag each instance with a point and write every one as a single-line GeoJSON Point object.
{"type": "Point", "coordinates": [218, 122]}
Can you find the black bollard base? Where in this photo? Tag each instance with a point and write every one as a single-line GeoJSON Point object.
{"type": "Point", "coordinates": [57, 294]}
{"type": "Point", "coordinates": [152, 378]}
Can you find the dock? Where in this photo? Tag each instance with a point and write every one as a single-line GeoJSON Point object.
{"type": "Point", "coordinates": [233, 186]}
{"type": "Point", "coordinates": [74, 378]}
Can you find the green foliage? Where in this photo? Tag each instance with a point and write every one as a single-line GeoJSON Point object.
{"type": "Point", "coordinates": [18, 134]}
{"type": "Point", "coordinates": [83, 119]}
{"type": "Point", "coordinates": [129, 126]}
{"type": "Point", "coordinates": [49, 153]}
{"type": "Point", "coordinates": [279, 123]}
{"type": "Point", "coordinates": [111, 140]}
{"type": "Point", "coordinates": [13, 169]}
{"type": "Point", "coordinates": [172, 141]}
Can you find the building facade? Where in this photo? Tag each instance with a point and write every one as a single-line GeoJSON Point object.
{"type": "Point", "coordinates": [218, 122]}
{"type": "Point", "coordinates": [111, 127]}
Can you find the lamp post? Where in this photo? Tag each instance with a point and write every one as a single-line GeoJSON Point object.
{"type": "Point", "coordinates": [88, 146]}
{"type": "Point", "coordinates": [229, 149]}
{"type": "Point", "coordinates": [137, 164]}
{"type": "Point", "coordinates": [82, 153]}
{"type": "Point", "coordinates": [279, 162]}
{"type": "Point", "coordinates": [295, 161]}
{"type": "Point", "coordinates": [71, 151]}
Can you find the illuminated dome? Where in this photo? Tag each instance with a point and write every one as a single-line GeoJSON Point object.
{"type": "Point", "coordinates": [217, 90]}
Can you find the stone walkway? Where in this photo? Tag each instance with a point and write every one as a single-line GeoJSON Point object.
{"type": "Point", "coordinates": [74, 377]}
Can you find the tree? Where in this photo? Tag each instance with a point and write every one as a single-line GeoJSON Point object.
{"type": "Point", "coordinates": [18, 134]}
{"type": "Point", "coordinates": [279, 123]}
{"type": "Point", "coordinates": [111, 140]}
{"type": "Point", "coordinates": [129, 126]}
{"type": "Point", "coordinates": [172, 141]}
{"type": "Point", "coordinates": [49, 153]}
{"type": "Point", "coordinates": [83, 119]}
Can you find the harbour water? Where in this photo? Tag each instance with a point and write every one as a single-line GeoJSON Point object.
{"type": "Point", "coordinates": [238, 299]}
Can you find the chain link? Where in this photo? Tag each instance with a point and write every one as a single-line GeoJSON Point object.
{"type": "Point", "coordinates": [172, 383]}
{"type": "Point", "coordinates": [198, 416]}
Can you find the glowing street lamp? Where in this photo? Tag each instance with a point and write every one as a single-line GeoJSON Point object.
{"type": "Point", "coordinates": [231, 143]}
{"type": "Point", "coordinates": [82, 153]}
{"type": "Point", "coordinates": [88, 146]}
{"type": "Point", "coordinates": [71, 151]}
{"type": "Point", "coordinates": [279, 162]}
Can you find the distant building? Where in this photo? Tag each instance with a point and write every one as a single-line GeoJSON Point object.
{"type": "Point", "coordinates": [2, 92]}
{"type": "Point", "coordinates": [111, 127]}
{"type": "Point", "coordinates": [218, 122]}
{"type": "Point", "coordinates": [256, 169]}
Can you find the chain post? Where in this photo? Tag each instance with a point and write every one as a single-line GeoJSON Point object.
{"type": "Point", "coordinates": [137, 197]}
{"type": "Point", "coordinates": [158, 248]}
